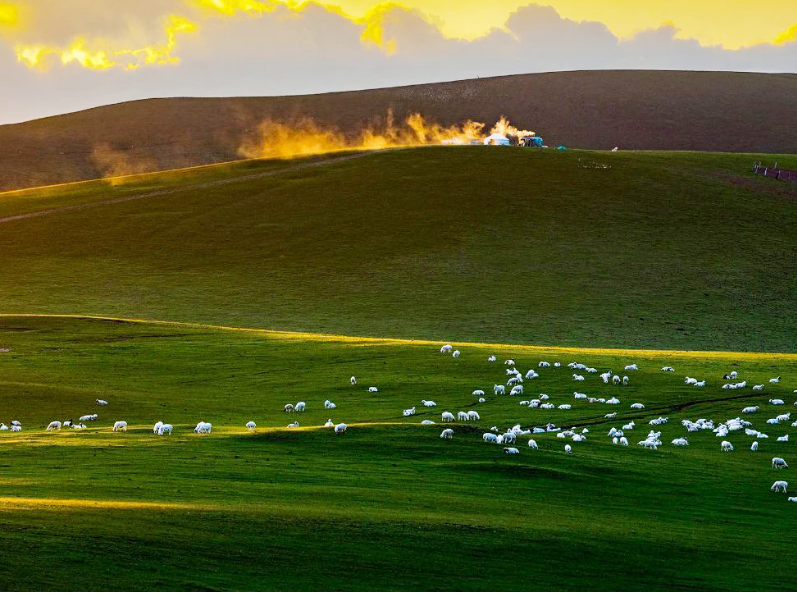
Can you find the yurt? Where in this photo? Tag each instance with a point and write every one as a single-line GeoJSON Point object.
{"type": "Point", "coordinates": [497, 140]}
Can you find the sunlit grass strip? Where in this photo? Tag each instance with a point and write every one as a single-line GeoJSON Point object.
{"type": "Point", "coordinates": [360, 340]}
{"type": "Point", "coordinates": [15, 503]}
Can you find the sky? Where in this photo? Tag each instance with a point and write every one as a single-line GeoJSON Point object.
{"type": "Point", "coordinates": [58, 56]}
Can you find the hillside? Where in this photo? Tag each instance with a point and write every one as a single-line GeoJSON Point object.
{"type": "Point", "coordinates": [706, 111]}
{"type": "Point", "coordinates": [665, 250]}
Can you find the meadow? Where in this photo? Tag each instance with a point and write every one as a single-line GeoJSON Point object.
{"type": "Point", "coordinates": [366, 267]}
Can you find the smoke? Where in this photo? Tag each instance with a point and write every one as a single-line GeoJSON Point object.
{"type": "Point", "coordinates": [305, 137]}
{"type": "Point", "coordinates": [115, 165]}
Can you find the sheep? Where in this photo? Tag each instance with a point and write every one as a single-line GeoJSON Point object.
{"type": "Point", "coordinates": [88, 418]}
{"type": "Point", "coordinates": [448, 433]}
{"type": "Point", "coordinates": [79, 426]}
{"type": "Point", "coordinates": [625, 379]}
{"type": "Point", "coordinates": [531, 374]}
{"type": "Point", "coordinates": [637, 406]}
{"type": "Point", "coordinates": [329, 405]}
{"type": "Point", "coordinates": [701, 383]}
{"type": "Point", "coordinates": [353, 380]}
{"type": "Point", "coordinates": [294, 424]}
{"type": "Point", "coordinates": [577, 377]}
{"type": "Point", "coordinates": [455, 354]}
{"type": "Point", "coordinates": [616, 379]}
{"type": "Point", "coordinates": [101, 402]}
{"type": "Point", "coordinates": [533, 444]}
{"type": "Point", "coordinates": [557, 364]}
{"type": "Point", "coordinates": [373, 390]}
{"type": "Point", "coordinates": [624, 441]}
{"type": "Point", "coordinates": [726, 446]}
{"type": "Point", "coordinates": [428, 403]}
{"type": "Point", "coordinates": [668, 369]}
{"type": "Point", "coordinates": [445, 349]}
{"type": "Point", "coordinates": [478, 392]}
{"type": "Point", "coordinates": [568, 449]}
{"type": "Point", "coordinates": [565, 406]}
{"type": "Point", "coordinates": [615, 440]}
{"type": "Point", "coordinates": [120, 426]}
{"type": "Point", "coordinates": [611, 416]}
{"type": "Point", "coordinates": [779, 463]}
{"type": "Point", "coordinates": [157, 426]}
{"type": "Point", "coordinates": [499, 389]}
{"type": "Point", "coordinates": [329, 423]}
{"type": "Point", "coordinates": [472, 415]}
{"type": "Point", "coordinates": [514, 381]}
{"type": "Point", "coordinates": [629, 426]}
{"type": "Point", "coordinates": [165, 429]}
{"type": "Point", "coordinates": [482, 400]}
{"type": "Point", "coordinates": [754, 446]}
{"type": "Point", "coordinates": [606, 376]}
{"type": "Point", "coordinates": [776, 402]}
{"type": "Point", "coordinates": [775, 380]}
{"type": "Point", "coordinates": [750, 409]}
{"type": "Point", "coordinates": [16, 428]}
{"type": "Point", "coordinates": [759, 387]}
{"type": "Point", "coordinates": [511, 451]}
{"type": "Point", "coordinates": [517, 390]}
{"type": "Point", "coordinates": [447, 417]}
{"type": "Point", "coordinates": [67, 423]}
{"type": "Point", "coordinates": [54, 425]}
{"type": "Point", "coordinates": [690, 380]}
{"type": "Point", "coordinates": [462, 416]}
{"type": "Point", "coordinates": [779, 486]}
{"type": "Point", "coordinates": [510, 362]}
{"type": "Point", "coordinates": [288, 408]}
{"type": "Point", "coordinates": [340, 428]}
{"type": "Point", "coordinates": [409, 411]}
{"type": "Point", "coordinates": [203, 427]}
{"type": "Point", "coordinates": [631, 367]}
{"type": "Point", "coordinates": [508, 437]}
{"type": "Point", "coordinates": [544, 364]}
{"type": "Point", "coordinates": [792, 499]}
{"type": "Point", "coordinates": [300, 406]}
{"type": "Point", "coordinates": [491, 358]}
{"type": "Point", "coordinates": [613, 401]}
{"type": "Point", "coordinates": [489, 437]}
{"type": "Point", "coordinates": [251, 425]}
{"type": "Point", "coordinates": [681, 442]}
{"type": "Point", "coordinates": [3, 426]}
{"type": "Point", "coordinates": [783, 439]}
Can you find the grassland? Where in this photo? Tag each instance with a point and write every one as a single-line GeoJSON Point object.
{"type": "Point", "coordinates": [387, 506]}
{"type": "Point", "coordinates": [522, 254]}
{"type": "Point", "coordinates": [664, 250]}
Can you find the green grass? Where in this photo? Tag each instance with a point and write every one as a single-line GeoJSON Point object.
{"type": "Point", "coordinates": [666, 250]}
{"type": "Point", "coordinates": [387, 506]}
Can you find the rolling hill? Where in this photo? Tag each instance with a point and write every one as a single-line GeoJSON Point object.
{"type": "Point", "coordinates": [706, 111]}
{"type": "Point", "coordinates": [649, 249]}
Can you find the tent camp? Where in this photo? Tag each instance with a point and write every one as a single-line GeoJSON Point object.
{"type": "Point", "coordinates": [496, 140]}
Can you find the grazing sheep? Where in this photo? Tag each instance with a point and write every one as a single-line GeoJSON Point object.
{"type": "Point", "coordinates": [779, 463]}
{"type": "Point", "coordinates": [625, 380]}
{"type": "Point", "coordinates": [16, 428]}
{"type": "Point", "coordinates": [616, 379]}
{"type": "Point", "coordinates": [750, 409]}
{"type": "Point", "coordinates": [54, 425]}
{"type": "Point", "coordinates": [462, 416]}
{"type": "Point", "coordinates": [499, 389]}
{"type": "Point", "coordinates": [447, 417]}
{"type": "Point", "coordinates": [340, 428]}
{"type": "Point", "coordinates": [726, 446]}
{"type": "Point", "coordinates": [203, 427]}
{"type": "Point", "coordinates": [101, 402]}
{"type": "Point", "coordinates": [491, 358]}
{"type": "Point", "coordinates": [300, 406]}
{"type": "Point", "coordinates": [544, 364]}
{"type": "Point", "coordinates": [533, 444]}
{"type": "Point", "coordinates": [3, 426]}
{"type": "Point", "coordinates": [779, 486]}
{"type": "Point", "coordinates": [531, 374]}
{"type": "Point", "coordinates": [428, 403]}
{"type": "Point", "coordinates": [165, 429]}
{"type": "Point", "coordinates": [409, 411]}
{"type": "Point", "coordinates": [624, 441]}
{"type": "Point", "coordinates": [448, 433]}
{"type": "Point", "coordinates": [568, 449]}
{"type": "Point", "coordinates": [329, 405]}
{"type": "Point", "coordinates": [759, 387]}
{"type": "Point", "coordinates": [510, 362]}
{"type": "Point", "coordinates": [489, 437]}
{"type": "Point", "coordinates": [577, 377]}
{"type": "Point", "coordinates": [792, 499]}
{"type": "Point", "coordinates": [473, 415]}
{"type": "Point", "coordinates": [482, 400]}
{"type": "Point", "coordinates": [478, 392]}
{"type": "Point", "coordinates": [508, 437]}
{"type": "Point", "coordinates": [517, 390]}
{"type": "Point", "coordinates": [455, 354]}
{"type": "Point", "coordinates": [288, 408]}
{"type": "Point", "coordinates": [157, 427]}
{"type": "Point", "coordinates": [754, 446]}
{"type": "Point", "coordinates": [251, 425]}
{"type": "Point", "coordinates": [373, 390]}
{"type": "Point", "coordinates": [329, 423]}
{"type": "Point", "coordinates": [511, 451]}
{"type": "Point", "coordinates": [120, 426]}
{"type": "Point", "coordinates": [445, 349]}
{"type": "Point", "coordinates": [353, 380]}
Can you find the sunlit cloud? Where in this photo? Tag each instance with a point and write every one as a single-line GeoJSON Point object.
{"type": "Point", "coordinates": [9, 15]}
{"type": "Point", "coordinates": [788, 36]}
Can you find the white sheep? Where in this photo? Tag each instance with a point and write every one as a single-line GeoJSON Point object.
{"type": "Point", "coordinates": [462, 416]}
{"type": "Point", "coordinates": [511, 451]}
{"type": "Point", "coordinates": [681, 442]}
{"type": "Point", "coordinates": [491, 358]}
{"type": "Point", "coordinates": [779, 463]}
{"type": "Point", "coordinates": [775, 380]}
{"type": "Point", "coordinates": [499, 389]}
{"type": "Point", "coordinates": [447, 417]}
{"type": "Point", "coordinates": [101, 402]}
{"type": "Point", "coordinates": [445, 349]}
{"type": "Point", "coordinates": [478, 392]}
{"type": "Point", "coordinates": [409, 411]}
{"type": "Point", "coordinates": [783, 439]}
{"type": "Point", "coordinates": [624, 441]}
{"type": "Point", "coordinates": [294, 424]}
{"type": "Point", "coordinates": [340, 428]}
{"type": "Point", "coordinates": [568, 449]}
{"type": "Point", "coordinates": [203, 427]}
{"type": "Point", "coordinates": [726, 446]}
{"type": "Point", "coordinates": [373, 390]}
{"type": "Point", "coordinates": [510, 362]}
{"type": "Point", "coordinates": [517, 390]}
{"type": "Point", "coordinates": [428, 403]}
{"type": "Point", "coordinates": [120, 426]}
{"type": "Point", "coordinates": [329, 423]}
{"type": "Point", "coordinates": [577, 377]}
{"type": "Point", "coordinates": [455, 354]}
{"type": "Point", "coordinates": [473, 415]}
{"type": "Point", "coordinates": [631, 367]}
{"type": "Point", "coordinates": [754, 446]}
{"type": "Point", "coordinates": [544, 364]}
{"type": "Point", "coordinates": [759, 387]}
{"type": "Point", "coordinates": [750, 409]}
{"type": "Point", "coordinates": [251, 425]}
{"type": "Point", "coordinates": [3, 426]}
{"type": "Point", "coordinates": [776, 402]}
{"type": "Point", "coordinates": [668, 369]}
{"type": "Point", "coordinates": [779, 486]}
{"type": "Point", "coordinates": [482, 400]}
{"type": "Point", "coordinates": [54, 425]}
{"type": "Point", "coordinates": [329, 405]}
{"type": "Point", "coordinates": [165, 429]}
{"type": "Point", "coordinates": [157, 427]}
{"type": "Point", "coordinates": [427, 422]}
{"type": "Point", "coordinates": [533, 444]}
{"type": "Point", "coordinates": [353, 380]}
{"type": "Point", "coordinates": [288, 408]}
{"type": "Point", "coordinates": [625, 380]}
{"type": "Point", "coordinates": [300, 406]}
{"type": "Point", "coordinates": [489, 437]}
{"type": "Point", "coordinates": [448, 433]}
{"type": "Point", "coordinates": [637, 406]}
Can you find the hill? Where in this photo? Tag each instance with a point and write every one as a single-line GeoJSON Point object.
{"type": "Point", "coordinates": [706, 111]}
{"type": "Point", "coordinates": [665, 250]}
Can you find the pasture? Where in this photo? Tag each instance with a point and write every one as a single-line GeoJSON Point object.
{"type": "Point", "coordinates": [388, 505]}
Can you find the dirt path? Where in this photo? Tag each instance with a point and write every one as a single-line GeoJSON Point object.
{"type": "Point", "coordinates": [191, 187]}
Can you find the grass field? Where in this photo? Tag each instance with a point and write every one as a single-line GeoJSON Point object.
{"type": "Point", "coordinates": [365, 266]}
{"type": "Point", "coordinates": [389, 505]}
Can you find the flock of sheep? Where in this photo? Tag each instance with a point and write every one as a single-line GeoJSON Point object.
{"type": "Point", "coordinates": [652, 440]}
{"type": "Point", "coordinates": [515, 381]}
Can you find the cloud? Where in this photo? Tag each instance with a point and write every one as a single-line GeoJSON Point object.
{"type": "Point", "coordinates": [253, 47]}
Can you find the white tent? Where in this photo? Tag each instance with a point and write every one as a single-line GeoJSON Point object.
{"type": "Point", "coordinates": [496, 140]}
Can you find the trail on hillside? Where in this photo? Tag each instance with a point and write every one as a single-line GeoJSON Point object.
{"type": "Point", "coordinates": [190, 187]}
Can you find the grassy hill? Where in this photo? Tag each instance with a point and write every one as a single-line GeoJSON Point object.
{"type": "Point", "coordinates": [707, 111]}
{"type": "Point", "coordinates": [665, 250]}
{"type": "Point", "coordinates": [388, 506]}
